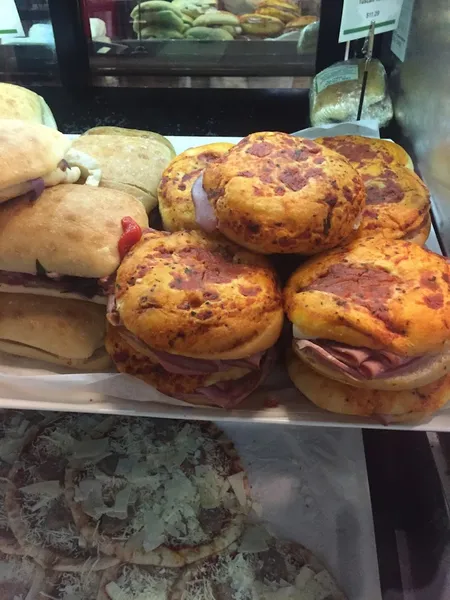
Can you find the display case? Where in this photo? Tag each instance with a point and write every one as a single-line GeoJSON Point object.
{"type": "Point", "coordinates": [365, 503]}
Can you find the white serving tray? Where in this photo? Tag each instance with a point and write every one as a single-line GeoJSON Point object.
{"type": "Point", "coordinates": [26, 384]}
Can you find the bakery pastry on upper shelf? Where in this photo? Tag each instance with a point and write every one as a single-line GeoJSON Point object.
{"type": "Point", "coordinates": [261, 25]}
{"type": "Point", "coordinates": [275, 193]}
{"type": "Point", "coordinates": [374, 315]}
{"type": "Point", "coordinates": [195, 317]}
{"type": "Point", "coordinates": [176, 202]}
{"type": "Point", "coordinates": [280, 9]}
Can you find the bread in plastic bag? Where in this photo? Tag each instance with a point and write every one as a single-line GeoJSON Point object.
{"type": "Point", "coordinates": [335, 93]}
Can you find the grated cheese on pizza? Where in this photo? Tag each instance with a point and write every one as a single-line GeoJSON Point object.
{"type": "Point", "coordinates": [76, 586]}
{"type": "Point", "coordinates": [141, 583]}
{"type": "Point", "coordinates": [40, 495]}
{"type": "Point", "coordinates": [16, 577]}
{"type": "Point", "coordinates": [167, 477]}
{"type": "Point", "coordinates": [272, 574]}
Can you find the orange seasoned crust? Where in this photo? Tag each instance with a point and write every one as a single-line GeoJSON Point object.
{"type": "Point", "coordinates": [196, 296]}
{"type": "Point", "coordinates": [381, 294]}
{"type": "Point", "coordinates": [359, 150]}
{"type": "Point", "coordinates": [128, 360]}
{"type": "Point", "coordinates": [276, 193]}
{"type": "Point", "coordinates": [397, 203]}
{"type": "Point", "coordinates": [174, 191]}
{"type": "Point", "coordinates": [402, 405]}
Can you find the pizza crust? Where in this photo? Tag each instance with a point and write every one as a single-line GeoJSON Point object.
{"type": "Point", "coordinates": [17, 429]}
{"type": "Point", "coordinates": [261, 573]}
{"type": "Point", "coordinates": [21, 578]}
{"type": "Point", "coordinates": [42, 463]}
{"type": "Point", "coordinates": [126, 579]}
{"type": "Point", "coordinates": [163, 554]}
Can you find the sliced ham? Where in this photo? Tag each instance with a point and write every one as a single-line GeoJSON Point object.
{"type": "Point", "coordinates": [112, 314]}
{"type": "Point", "coordinates": [228, 394]}
{"type": "Point", "coordinates": [84, 286]}
{"type": "Point", "coordinates": [183, 365]}
{"type": "Point", "coordinates": [204, 212]}
{"type": "Point", "coordinates": [360, 363]}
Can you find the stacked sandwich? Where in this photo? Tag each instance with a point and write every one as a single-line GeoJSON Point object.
{"type": "Point", "coordinates": [59, 244]}
{"type": "Point", "coordinates": [370, 313]}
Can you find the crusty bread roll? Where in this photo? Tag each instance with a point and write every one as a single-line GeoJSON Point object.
{"type": "Point", "coordinates": [175, 190]}
{"type": "Point", "coordinates": [385, 406]}
{"type": "Point", "coordinates": [187, 294]}
{"type": "Point", "coordinates": [17, 102]}
{"type": "Point", "coordinates": [28, 151]}
{"type": "Point", "coordinates": [64, 332]}
{"type": "Point", "coordinates": [276, 193]}
{"type": "Point", "coordinates": [129, 162]}
{"type": "Point", "coordinates": [71, 230]}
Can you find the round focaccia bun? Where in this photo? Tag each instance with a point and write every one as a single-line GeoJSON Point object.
{"type": "Point", "coordinates": [212, 383]}
{"type": "Point", "coordinates": [175, 189]}
{"type": "Point", "coordinates": [167, 493]}
{"type": "Point", "coordinates": [387, 406]}
{"type": "Point", "coordinates": [186, 294]}
{"type": "Point", "coordinates": [397, 203]}
{"type": "Point", "coordinates": [360, 150]}
{"type": "Point", "coordinates": [375, 314]}
{"type": "Point", "coordinates": [258, 566]}
{"type": "Point", "coordinates": [276, 193]}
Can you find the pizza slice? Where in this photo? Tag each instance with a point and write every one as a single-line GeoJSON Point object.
{"type": "Point", "coordinates": [21, 579]}
{"type": "Point", "coordinates": [168, 493]}
{"type": "Point", "coordinates": [34, 500]}
{"type": "Point", "coordinates": [83, 585]}
{"type": "Point", "coordinates": [258, 567]}
{"type": "Point", "coordinates": [137, 582]}
{"type": "Point", "coordinates": [17, 428]}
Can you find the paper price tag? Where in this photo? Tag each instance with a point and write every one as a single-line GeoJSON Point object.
{"type": "Point", "coordinates": [357, 15]}
{"type": "Point", "coordinates": [400, 36]}
{"type": "Point", "coordinates": [10, 23]}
